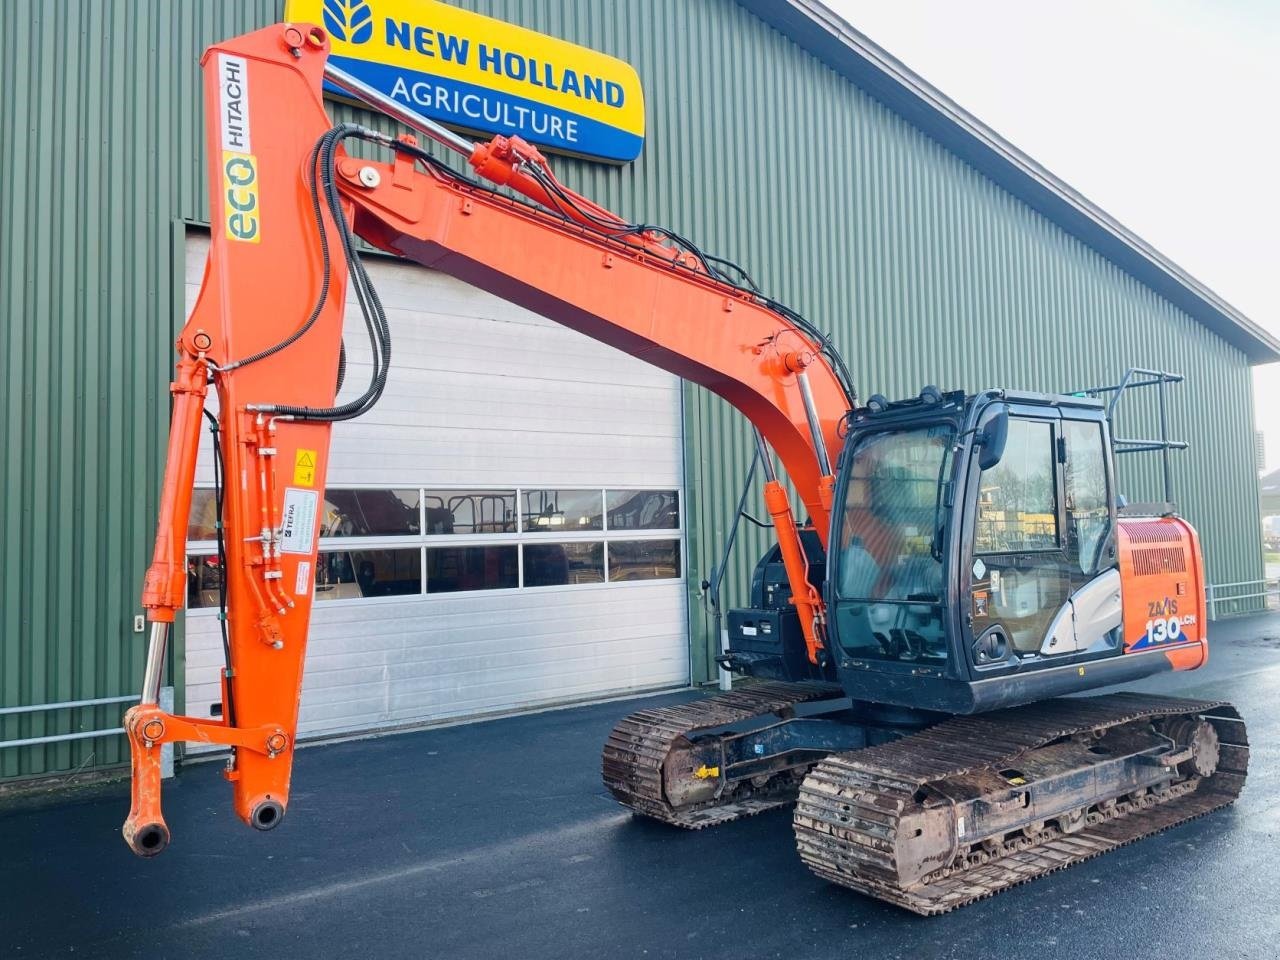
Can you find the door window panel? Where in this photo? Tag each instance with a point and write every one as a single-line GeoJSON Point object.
{"type": "Point", "coordinates": [353, 574]}
{"type": "Point", "coordinates": [1017, 508]}
{"type": "Point", "coordinates": [562, 511]}
{"type": "Point", "coordinates": [644, 560]}
{"type": "Point", "coordinates": [204, 514]}
{"type": "Point", "coordinates": [557, 564]}
{"type": "Point", "coordinates": [204, 580]}
{"type": "Point", "coordinates": [470, 511]}
{"type": "Point", "coordinates": [374, 512]}
{"type": "Point", "coordinates": [1086, 499]}
{"type": "Point", "coordinates": [453, 569]}
{"type": "Point", "coordinates": [643, 509]}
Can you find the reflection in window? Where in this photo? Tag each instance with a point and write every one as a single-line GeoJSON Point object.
{"type": "Point", "coordinates": [470, 511]}
{"type": "Point", "coordinates": [643, 509]}
{"type": "Point", "coordinates": [204, 515]}
{"type": "Point", "coordinates": [562, 511]}
{"type": "Point", "coordinates": [369, 513]}
{"type": "Point", "coordinates": [350, 574]}
{"type": "Point", "coordinates": [644, 560]}
{"type": "Point", "coordinates": [894, 523]}
{"type": "Point", "coordinates": [1016, 504]}
{"type": "Point", "coordinates": [451, 569]}
{"type": "Point", "coordinates": [557, 564]}
{"type": "Point", "coordinates": [204, 578]}
{"type": "Point", "coordinates": [1088, 510]}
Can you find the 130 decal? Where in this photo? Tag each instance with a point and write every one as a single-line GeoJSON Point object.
{"type": "Point", "coordinates": [1164, 625]}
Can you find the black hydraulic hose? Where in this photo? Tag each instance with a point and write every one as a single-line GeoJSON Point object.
{"type": "Point", "coordinates": [323, 181]}
{"type": "Point", "coordinates": [717, 575]}
{"type": "Point", "coordinates": [218, 467]}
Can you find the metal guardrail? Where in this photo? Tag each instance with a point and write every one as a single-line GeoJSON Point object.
{"type": "Point", "coordinates": [66, 705]}
{"type": "Point", "coordinates": [166, 702]}
{"type": "Point", "coordinates": [1268, 591]}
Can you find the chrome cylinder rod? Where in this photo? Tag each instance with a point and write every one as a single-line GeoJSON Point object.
{"type": "Point", "coordinates": [359, 90]}
{"type": "Point", "coordinates": [155, 663]}
{"type": "Point", "coordinates": [766, 461]}
{"type": "Point", "coordinates": [815, 425]}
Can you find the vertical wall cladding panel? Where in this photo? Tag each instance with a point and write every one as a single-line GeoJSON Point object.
{"type": "Point", "coordinates": [923, 271]}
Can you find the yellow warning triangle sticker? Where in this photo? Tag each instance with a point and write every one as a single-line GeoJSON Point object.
{"type": "Point", "coordinates": [306, 458]}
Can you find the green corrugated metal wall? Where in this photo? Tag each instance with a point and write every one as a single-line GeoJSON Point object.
{"type": "Point", "coordinates": [924, 271]}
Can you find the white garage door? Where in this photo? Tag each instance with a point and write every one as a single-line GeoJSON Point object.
{"type": "Point", "coordinates": [503, 531]}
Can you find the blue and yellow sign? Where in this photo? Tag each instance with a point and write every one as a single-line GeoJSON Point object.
{"type": "Point", "coordinates": [472, 71]}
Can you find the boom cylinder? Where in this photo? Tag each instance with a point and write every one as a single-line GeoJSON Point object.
{"type": "Point", "coordinates": [808, 604]}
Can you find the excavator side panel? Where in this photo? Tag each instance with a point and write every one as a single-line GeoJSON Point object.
{"type": "Point", "coordinates": [1162, 573]}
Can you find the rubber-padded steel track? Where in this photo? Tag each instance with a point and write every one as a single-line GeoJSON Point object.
{"type": "Point", "coordinates": [639, 745]}
{"type": "Point", "coordinates": [851, 803]}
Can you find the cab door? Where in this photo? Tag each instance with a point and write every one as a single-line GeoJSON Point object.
{"type": "Point", "coordinates": [1090, 524]}
{"type": "Point", "coordinates": [1043, 584]}
{"type": "Point", "coordinates": [1019, 576]}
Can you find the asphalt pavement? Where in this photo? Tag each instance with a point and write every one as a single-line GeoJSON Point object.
{"type": "Point", "coordinates": [497, 840]}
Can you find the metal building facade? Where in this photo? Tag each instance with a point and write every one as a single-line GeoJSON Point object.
{"type": "Point", "coordinates": [926, 268]}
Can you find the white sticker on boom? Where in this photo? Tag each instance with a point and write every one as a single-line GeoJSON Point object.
{"type": "Point", "coordinates": [233, 91]}
{"type": "Point", "coordinates": [298, 528]}
{"type": "Point", "coordinates": [302, 586]}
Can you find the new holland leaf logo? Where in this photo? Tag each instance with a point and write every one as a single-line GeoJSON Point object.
{"type": "Point", "coordinates": [350, 20]}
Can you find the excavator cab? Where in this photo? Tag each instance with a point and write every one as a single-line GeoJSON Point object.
{"type": "Point", "coordinates": [974, 542]}
{"type": "Point", "coordinates": [976, 553]}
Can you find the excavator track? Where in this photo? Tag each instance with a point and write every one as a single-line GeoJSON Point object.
{"type": "Point", "coordinates": [640, 746]}
{"type": "Point", "coordinates": [849, 820]}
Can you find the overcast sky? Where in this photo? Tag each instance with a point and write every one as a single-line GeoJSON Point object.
{"type": "Point", "coordinates": [1162, 112]}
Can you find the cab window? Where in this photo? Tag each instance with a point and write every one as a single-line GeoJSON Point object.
{"type": "Point", "coordinates": [890, 579]}
{"type": "Point", "coordinates": [1087, 503]}
{"type": "Point", "coordinates": [1017, 511]}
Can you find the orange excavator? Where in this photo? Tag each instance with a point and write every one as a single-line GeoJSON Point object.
{"type": "Point", "coordinates": [964, 560]}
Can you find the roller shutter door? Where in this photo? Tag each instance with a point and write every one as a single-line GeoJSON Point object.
{"type": "Point", "coordinates": [504, 531]}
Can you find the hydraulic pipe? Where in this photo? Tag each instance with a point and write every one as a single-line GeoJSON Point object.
{"type": "Point", "coordinates": [815, 425]}
{"type": "Point", "coordinates": [766, 461]}
{"type": "Point", "coordinates": [384, 104]}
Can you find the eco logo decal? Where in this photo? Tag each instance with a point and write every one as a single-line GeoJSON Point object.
{"type": "Point", "coordinates": [239, 165]}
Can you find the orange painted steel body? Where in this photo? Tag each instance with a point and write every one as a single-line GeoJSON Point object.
{"type": "Point", "coordinates": [643, 298]}
{"type": "Point", "coordinates": [1163, 590]}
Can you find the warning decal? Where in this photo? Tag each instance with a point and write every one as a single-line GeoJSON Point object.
{"type": "Point", "coordinates": [302, 586]}
{"type": "Point", "coordinates": [298, 529]}
{"type": "Point", "coordinates": [304, 467]}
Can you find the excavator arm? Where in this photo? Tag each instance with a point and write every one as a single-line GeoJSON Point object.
{"type": "Point", "coordinates": [287, 202]}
